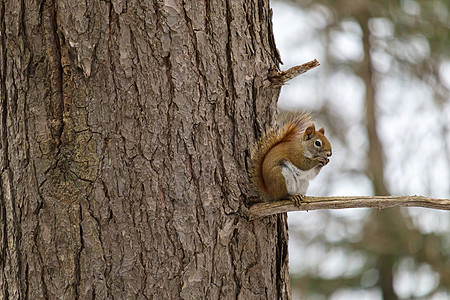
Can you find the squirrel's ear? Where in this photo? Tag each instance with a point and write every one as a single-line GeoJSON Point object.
{"type": "Point", "coordinates": [309, 131]}
{"type": "Point", "coordinates": [321, 130]}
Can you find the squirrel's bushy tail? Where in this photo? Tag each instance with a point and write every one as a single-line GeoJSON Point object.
{"type": "Point", "coordinates": [290, 125]}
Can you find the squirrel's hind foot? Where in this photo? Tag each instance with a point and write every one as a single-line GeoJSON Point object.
{"type": "Point", "coordinates": [297, 199]}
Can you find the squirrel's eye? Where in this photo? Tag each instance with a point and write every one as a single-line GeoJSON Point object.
{"type": "Point", "coordinates": [318, 143]}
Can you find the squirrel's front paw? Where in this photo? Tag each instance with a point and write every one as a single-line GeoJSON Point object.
{"type": "Point", "coordinates": [297, 199]}
{"type": "Point", "coordinates": [322, 160]}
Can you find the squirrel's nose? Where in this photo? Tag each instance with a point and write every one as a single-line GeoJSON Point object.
{"type": "Point", "coordinates": [329, 153]}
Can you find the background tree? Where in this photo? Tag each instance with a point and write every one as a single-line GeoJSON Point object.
{"type": "Point", "coordinates": [125, 134]}
{"type": "Point", "coordinates": [383, 85]}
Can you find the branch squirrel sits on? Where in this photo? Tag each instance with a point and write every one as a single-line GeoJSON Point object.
{"type": "Point", "coordinates": [286, 157]}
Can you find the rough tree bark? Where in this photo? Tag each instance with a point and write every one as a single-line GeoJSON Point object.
{"type": "Point", "coordinates": [125, 133]}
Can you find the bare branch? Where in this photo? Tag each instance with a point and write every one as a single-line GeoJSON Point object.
{"type": "Point", "coordinates": [280, 78]}
{"type": "Point", "coordinates": [312, 203]}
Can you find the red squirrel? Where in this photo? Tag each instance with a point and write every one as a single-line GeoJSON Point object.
{"type": "Point", "coordinates": [286, 157]}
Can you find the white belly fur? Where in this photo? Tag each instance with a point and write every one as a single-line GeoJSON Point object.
{"type": "Point", "coordinates": [297, 181]}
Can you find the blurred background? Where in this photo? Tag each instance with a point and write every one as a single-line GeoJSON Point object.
{"type": "Point", "coordinates": [382, 93]}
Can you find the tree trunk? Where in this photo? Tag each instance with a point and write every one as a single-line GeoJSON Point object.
{"type": "Point", "coordinates": [385, 263]}
{"type": "Point", "coordinates": [125, 133]}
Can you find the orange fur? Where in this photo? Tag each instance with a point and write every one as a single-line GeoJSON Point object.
{"type": "Point", "coordinates": [292, 125]}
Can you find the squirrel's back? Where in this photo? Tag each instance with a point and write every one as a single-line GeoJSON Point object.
{"type": "Point", "coordinates": [290, 125]}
